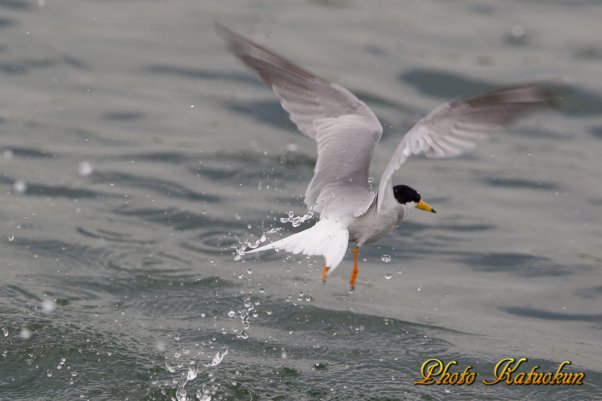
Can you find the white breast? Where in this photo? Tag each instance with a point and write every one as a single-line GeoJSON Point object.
{"type": "Point", "coordinates": [368, 228]}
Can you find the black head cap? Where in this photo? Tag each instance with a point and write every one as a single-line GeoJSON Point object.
{"type": "Point", "coordinates": [405, 194]}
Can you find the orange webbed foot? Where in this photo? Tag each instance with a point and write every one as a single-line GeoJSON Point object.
{"type": "Point", "coordinates": [325, 270]}
{"type": "Point", "coordinates": [355, 271]}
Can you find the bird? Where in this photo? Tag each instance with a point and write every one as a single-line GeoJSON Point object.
{"type": "Point", "coordinates": [347, 131]}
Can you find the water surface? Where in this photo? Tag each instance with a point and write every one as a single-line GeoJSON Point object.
{"type": "Point", "coordinates": [136, 155]}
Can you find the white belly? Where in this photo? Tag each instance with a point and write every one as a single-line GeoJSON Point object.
{"type": "Point", "coordinates": [368, 228]}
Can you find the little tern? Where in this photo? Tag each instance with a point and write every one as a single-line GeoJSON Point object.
{"type": "Point", "coordinates": [347, 131]}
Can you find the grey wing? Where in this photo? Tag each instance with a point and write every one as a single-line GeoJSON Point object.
{"type": "Point", "coordinates": [345, 129]}
{"type": "Point", "coordinates": [453, 128]}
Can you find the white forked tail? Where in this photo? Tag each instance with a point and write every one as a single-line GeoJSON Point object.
{"type": "Point", "coordinates": [327, 237]}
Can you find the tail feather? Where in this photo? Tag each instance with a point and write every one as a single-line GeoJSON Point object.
{"type": "Point", "coordinates": [328, 238]}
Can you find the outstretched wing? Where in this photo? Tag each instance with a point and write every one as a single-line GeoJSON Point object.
{"type": "Point", "coordinates": [345, 129]}
{"type": "Point", "coordinates": [453, 128]}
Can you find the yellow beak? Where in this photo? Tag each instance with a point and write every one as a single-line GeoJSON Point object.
{"type": "Point", "coordinates": [422, 205]}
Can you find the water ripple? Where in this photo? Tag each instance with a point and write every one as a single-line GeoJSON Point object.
{"type": "Point", "coordinates": [521, 183]}
{"type": "Point", "coordinates": [156, 185]}
{"type": "Point", "coordinates": [549, 315]}
{"type": "Point", "coordinates": [526, 265]}
{"type": "Point", "coordinates": [198, 73]}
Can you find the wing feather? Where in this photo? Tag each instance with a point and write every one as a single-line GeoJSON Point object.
{"type": "Point", "coordinates": [345, 129]}
{"type": "Point", "coordinates": [453, 128]}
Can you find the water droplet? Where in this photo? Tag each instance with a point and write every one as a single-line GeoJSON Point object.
{"type": "Point", "coordinates": [283, 355]}
{"type": "Point", "coordinates": [388, 276]}
{"type": "Point", "coordinates": [85, 168]}
{"type": "Point", "coordinates": [20, 186]}
{"type": "Point", "coordinates": [49, 372]}
{"type": "Point", "coordinates": [269, 312]}
{"type": "Point", "coordinates": [249, 271]}
{"type": "Point", "coordinates": [25, 333]}
{"type": "Point", "coordinates": [518, 31]}
{"type": "Point", "coordinates": [243, 334]}
{"type": "Point", "coordinates": [5, 331]}
{"type": "Point", "coordinates": [192, 372]}
{"type": "Point", "coordinates": [48, 306]}
{"type": "Point", "coordinates": [205, 397]}
{"type": "Point", "coordinates": [231, 313]}
{"type": "Point", "coordinates": [291, 214]}
{"type": "Point", "coordinates": [386, 258]}
{"type": "Point", "coordinates": [181, 394]}
{"type": "Point", "coordinates": [261, 290]}
{"type": "Point", "coordinates": [217, 359]}
{"type": "Point", "coordinates": [170, 367]}
{"type": "Point", "coordinates": [11, 238]}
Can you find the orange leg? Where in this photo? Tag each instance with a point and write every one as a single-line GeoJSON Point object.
{"type": "Point", "coordinates": [325, 273]}
{"type": "Point", "coordinates": [355, 268]}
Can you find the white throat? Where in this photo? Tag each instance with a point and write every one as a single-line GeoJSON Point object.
{"type": "Point", "coordinates": [408, 208]}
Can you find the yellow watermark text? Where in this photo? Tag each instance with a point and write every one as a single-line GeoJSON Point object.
{"type": "Point", "coordinates": [509, 371]}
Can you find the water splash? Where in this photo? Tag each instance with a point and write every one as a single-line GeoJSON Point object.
{"type": "Point", "coordinates": [217, 358]}
{"type": "Point", "coordinates": [194, 369]}
{"type": "Point", "coordinates": [242, 248]}
{"type": "Point", "coordinates": [296, 221]}
{"type": "Point", "coordinates": [208, 389]}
